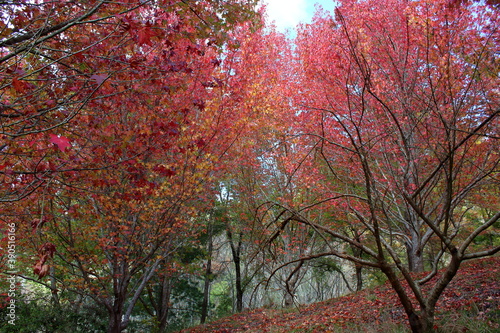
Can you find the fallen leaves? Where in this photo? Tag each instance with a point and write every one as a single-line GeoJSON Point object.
{"type": "Point", "coordinates": [476, 286]}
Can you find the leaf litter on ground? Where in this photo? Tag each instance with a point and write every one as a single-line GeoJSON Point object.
{"type": "Point", "coordinates": [476, 288]}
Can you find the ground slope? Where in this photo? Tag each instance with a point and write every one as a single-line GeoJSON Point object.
{"type": "Point", "coordinates": [474, 293]}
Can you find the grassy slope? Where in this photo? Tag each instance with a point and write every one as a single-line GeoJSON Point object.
{"type": "Point", "coordinates": [474, 294]}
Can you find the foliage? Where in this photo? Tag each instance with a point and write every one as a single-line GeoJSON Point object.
{"type": "Point", "coordinates": [36, 316]}
{"type": "Point", "coordinates": [393, 114]}
{"type": "Point", "coordinates": [187, 297]}
{"type": "Point", "coordinates": [106, 137]}
{"type": "Point", "coordinates": [142, 140]}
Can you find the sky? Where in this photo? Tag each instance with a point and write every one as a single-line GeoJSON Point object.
{"type": "Point", "coordinates": [288, 13]}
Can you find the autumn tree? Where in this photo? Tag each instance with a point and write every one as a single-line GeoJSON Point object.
{"type": "Point", "coordinates": [106, 137]}
{"type": "Point", "coordinates": [397, 127]}
{"type": "Point", "coordinates": [260, 75]}
{"type": "Point", "coordinates": [262, 79]}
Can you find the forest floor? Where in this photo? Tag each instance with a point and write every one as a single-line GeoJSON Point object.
{"type": "Point", "coordinates": [471, 303]}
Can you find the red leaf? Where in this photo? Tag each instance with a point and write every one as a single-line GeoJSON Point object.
{"type": "Point", "coordinates": [18, 85]}
{"type": "Point", "coordinates": [37, 268]}
{"type": "Point", "coordinates": [41, 270]}
{"type": "Point", "coordinates": [60, 141]}
{"type": "Point", "coordinates": [164, 171]}
{"type": "Point", "coordinates": [145, 35]}
{"type": "Point", "coordinates": [47, 250]}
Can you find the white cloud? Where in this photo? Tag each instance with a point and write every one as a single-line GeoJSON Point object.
{"type": "Point", "coordinates": [287, 13]}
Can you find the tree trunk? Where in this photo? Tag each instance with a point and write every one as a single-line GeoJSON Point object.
{"type": "Point", "coordinates": [414, 246]}
{"type": "Point", "coordinates": [419, 322]}
{"type": "Point", "coordinates": [164, 304]}
{"type": "Point", "coordinates": [359, 277]}
{"type": "Point", "coordinates": [291, 285]}
{"type": "Point", "coordinates": [206, 292]}
{"type": "Point", "coordinates": [289, 298]}
{"type": "Point", "coordinates": [239, 286]}
{"type": "Point", "coordinates": [53, 287]}
{"type": "Point", "coordinates": [358, 253]}
{"type": "Point", "coordinates": [422, 323]}
{"type": "Point", "coordinates": [115, 319]}
{"type": "Point", "coordinates": [415, 257]}
{"type": "Point", "coordinates": [116, 309]}
{"type": "Point", "coordinates": [236, 250]}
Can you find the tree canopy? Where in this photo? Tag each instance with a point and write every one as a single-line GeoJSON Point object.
{"type": "Point", "coordinates": [154, 153]}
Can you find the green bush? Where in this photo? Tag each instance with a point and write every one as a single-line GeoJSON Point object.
{"type": "Point", "coordinates": [41, 317]}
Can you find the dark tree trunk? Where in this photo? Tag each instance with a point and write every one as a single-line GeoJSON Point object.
{"type": "Point", "coordinates": [206, 292]}
{"type": "Point", "coordinates": [358, 253]}
{"type": "Point", "coordinates": [163, 302]}
{"type": "Point", "coordinates": [239, 286]}
{"type": "Point", "coordinates": [115, 318]}
{"type": "Point", "coordinates": [236, 252]}
{"type": "Point", "coordinates": [419, 322]}
{"type": "Point", "coordinates": [422, 323]}
{"type": "Point", "coordinates": [116, 308]}
{"type": "Point", "coordinates": [359, 277]}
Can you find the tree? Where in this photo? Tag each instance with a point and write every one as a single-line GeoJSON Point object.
{"type": "Point", "coordinates": [398, 124]}
{"type": "Point", "coordinates": [105, 129]}
{"type": "Point", "coordinates": [257, 75]}
{"type": "Point", "coordinates": [262, 82]}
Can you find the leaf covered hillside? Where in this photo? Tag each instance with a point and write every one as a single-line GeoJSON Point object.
{"type": "Point", "coordinates": [474, 293]}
